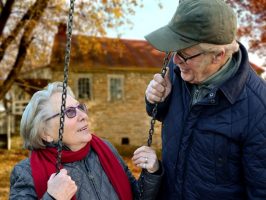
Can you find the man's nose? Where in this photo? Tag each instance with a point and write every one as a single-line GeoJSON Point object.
{"type": "Point", "coordinates": [177, 60]}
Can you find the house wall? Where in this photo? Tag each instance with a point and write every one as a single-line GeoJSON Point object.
{"type": "Point", "coordinates": [39, 73]}
{"type": "Point", "coordinates": [117, 119]}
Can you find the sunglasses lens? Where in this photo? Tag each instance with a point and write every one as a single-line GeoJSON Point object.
{"type": "Point", "coordinates": [82, 107]}
{"type": "Point", "coordinates": [71, 112]}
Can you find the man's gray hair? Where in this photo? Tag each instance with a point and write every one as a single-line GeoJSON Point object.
{"type": "Point", "coordinates": [33, 123]}
{"type": "Point", "coordinates": [230, 49]}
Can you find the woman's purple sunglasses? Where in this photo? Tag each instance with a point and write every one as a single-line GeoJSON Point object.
{"type": "Point", "coordinates": [71, 112]}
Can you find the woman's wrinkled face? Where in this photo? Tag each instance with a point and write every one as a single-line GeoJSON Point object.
{"type": "Point", "coordinates": [76, 130]}
{"type": "Point", "coordinates": [196, 69]}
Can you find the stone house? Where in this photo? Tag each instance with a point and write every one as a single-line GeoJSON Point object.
{"type": "Point", "coordinates": [111, 82]}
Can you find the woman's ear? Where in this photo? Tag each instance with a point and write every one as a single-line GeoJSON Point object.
{"type": "Point", "coordinates": [47, 137]}
{"type": "Point", "coordinates": [219, 57]}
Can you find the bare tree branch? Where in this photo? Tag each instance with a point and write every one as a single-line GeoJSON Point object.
{"type": "Point", "coordinates": [1, 5]}
{"type": "Point", "coordinates": [5, 13]}
{"type": "Point", "coordinates": [25, 41]}
{"type": "Point", "coordinates": [28, 15]}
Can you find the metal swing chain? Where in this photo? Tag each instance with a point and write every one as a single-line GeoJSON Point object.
{"type": "Point", "coordinates": [154, 113]}
{"type": "Point", "coordinates": [153, 120]}
{"type": "Point", "coordinates": [64, 93]}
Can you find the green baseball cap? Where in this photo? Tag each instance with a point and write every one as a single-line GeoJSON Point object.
{"type": "Point", "coordinates": [194, 22]}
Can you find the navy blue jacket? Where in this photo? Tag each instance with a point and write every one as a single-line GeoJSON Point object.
{"type": "Point", "coordinates": [215, 150]}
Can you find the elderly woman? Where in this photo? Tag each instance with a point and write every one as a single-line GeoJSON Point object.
{"type": "Point", "coordinates": [91, 167]}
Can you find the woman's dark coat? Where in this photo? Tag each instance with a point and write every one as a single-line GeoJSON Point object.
{"type": "Point", "coordinates": [90, 178]}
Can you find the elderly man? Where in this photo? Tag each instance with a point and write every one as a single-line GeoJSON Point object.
{"type": "Point", "coordinates": [212, 106]}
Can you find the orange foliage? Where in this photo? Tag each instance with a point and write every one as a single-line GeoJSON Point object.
{"type": "Point", "coordinates": [252, 19]}
{"type": "Point", "coordinates": [8, 160]}
{"type": "Point", "coordinates": [32, 25]}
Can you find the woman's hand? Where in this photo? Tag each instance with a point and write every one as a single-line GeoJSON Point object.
{"type": "Point", "coordinates": [61, 186]}
{"type": "Point", "coordinates": [145, 157]}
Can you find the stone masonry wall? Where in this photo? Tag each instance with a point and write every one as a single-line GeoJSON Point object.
{"type": "Point", "coordinates": [117, 119]}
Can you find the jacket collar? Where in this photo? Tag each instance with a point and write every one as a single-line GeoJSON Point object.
{"type": "Point", "coordinates": [234, 86]}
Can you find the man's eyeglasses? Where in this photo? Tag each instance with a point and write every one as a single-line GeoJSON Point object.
{"type": "Point", "coordinates": [71, 112]}
{"type": "Point", "coordinates": [184, 60]}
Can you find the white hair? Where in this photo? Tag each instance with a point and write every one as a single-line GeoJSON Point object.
{"type": "Point", "coordinates": [230, 49]}
{"type": "Point", "coordinates": [33, 123]}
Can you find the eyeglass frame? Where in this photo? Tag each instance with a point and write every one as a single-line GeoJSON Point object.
{"type": "Point", "coordinates": [184, 60]}
{"type": "Point", "coordinates": [67, 110]}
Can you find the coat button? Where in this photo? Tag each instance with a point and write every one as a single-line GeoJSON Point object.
{"type": "Point", "coordinates": [212, 100]}
{"type": "Point", "coordinates": [211, 95]}
{"type": "Point", "coordinates": [220, 160]}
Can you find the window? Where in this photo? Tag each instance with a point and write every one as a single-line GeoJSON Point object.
{"type": "Point", "coordinates": [115, 87]}
{"type": "Point", "coordinates": [83, 87]}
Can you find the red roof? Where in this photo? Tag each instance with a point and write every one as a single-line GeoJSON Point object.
{"type": "Point", "coordinates": [113, 53]}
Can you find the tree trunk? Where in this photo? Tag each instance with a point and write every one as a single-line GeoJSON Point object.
{"type": "Point", "coordinates": [23, 46]}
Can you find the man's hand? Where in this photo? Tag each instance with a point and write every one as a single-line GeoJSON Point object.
{"type": "Point", "coordinates": [159, 88]}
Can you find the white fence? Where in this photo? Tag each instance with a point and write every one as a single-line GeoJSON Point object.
{"type": "Point", "coordinates": [7, 120]}
{"type": "Point", "coordinates": [7, 126]}
{"type": "Point", "coordinates": [3, 122]}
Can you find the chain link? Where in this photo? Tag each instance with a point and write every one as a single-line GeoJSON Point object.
{"type": "Point", "coordinates": [64, 93]}
{"type": "Point", "coordinates": [154, 113]}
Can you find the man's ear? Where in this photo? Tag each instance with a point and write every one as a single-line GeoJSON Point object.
{"type": "Point", "coordinates": [219, 57]}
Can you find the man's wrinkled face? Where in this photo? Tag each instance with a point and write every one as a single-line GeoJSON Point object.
{"type": "Point", "coordinates": [196, 69]}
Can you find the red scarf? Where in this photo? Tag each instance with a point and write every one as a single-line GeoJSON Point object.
{"type": "Point", "coordinates": [43, 165]}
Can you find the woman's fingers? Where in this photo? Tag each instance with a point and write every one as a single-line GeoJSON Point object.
{"type": "Point", "coordinates": [145, 157]}
{"type": "Point", "coordinates": [61, 186]}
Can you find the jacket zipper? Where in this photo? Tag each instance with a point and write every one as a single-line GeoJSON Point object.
{"type": "Point", "coordinates": [92, 180]}
{"type": "Point", "coordinates": [93, 183]}
{"type": "Point", "coordinates": [196, 94]}
{"type": "Point", "coordinates": [191, 99]}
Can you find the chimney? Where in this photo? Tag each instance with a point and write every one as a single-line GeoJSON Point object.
{"type": "Point", "coordinates": [62, 29]}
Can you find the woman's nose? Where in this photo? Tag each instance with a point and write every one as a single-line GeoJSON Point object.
{"type": "Point", "coordinates": [82, 115]}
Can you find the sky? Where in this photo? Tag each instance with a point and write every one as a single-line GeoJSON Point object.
{"type": "Point", "coordinates": [151, 17]}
